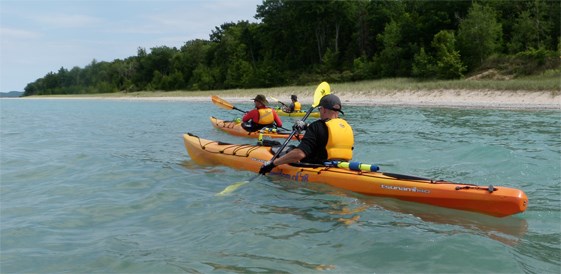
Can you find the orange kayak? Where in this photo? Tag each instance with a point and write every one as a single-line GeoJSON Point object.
{"type": "Point", "coordinates": [491, 200]}
{"type": "Point", "coordinates": [235, 128]}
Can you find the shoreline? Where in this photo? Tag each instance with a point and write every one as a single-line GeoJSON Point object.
{"type": "Point", "coordinates": [486, 99]}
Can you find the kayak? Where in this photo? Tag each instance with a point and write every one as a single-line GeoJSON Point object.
{"type": "Point", "coordinates": [492, 200]}
{"type": "Point", "coordinates": [235, 128]}
{"type": "Point", "coordinates": [300, 113]}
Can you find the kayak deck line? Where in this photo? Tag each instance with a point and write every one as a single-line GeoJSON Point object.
{"type": "Point", "coordinates": [393, 176]}
{"type": "Point", "coordinates": [387, 175]}
{"type": "Point", "coordinates": [235, 148]}
{"type": "Point", "coordinates": [497, 201]}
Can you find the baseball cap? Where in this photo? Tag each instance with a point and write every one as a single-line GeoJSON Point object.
{"type": "Point", "coordinates": [331, 102]}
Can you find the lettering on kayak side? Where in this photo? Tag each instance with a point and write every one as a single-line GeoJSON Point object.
{"type": "Point", "coordinates": [298, 177]}
{"type": "Point", "coordinates": [409, 189]}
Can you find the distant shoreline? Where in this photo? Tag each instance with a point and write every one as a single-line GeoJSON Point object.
{"type": "Point", "coordinates": [487, 99]}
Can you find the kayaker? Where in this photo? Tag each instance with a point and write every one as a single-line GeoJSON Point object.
{"type": "Point", "coordinates": [261, 116]}
{"type": "Point", "coordinates": [327, 139]}
{"type": "Point", "coordinates": [294, 106]}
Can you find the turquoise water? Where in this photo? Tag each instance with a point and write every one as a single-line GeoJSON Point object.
{"type": "Point", "coordinates": [106, 186]}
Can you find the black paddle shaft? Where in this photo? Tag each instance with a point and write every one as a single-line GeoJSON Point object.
{"type": "Point", "coordinates": [291, 135]}
{"type": "Point", "coordinates": [239, 109]}
{"type": "Point", "coordinates": [285, 142]}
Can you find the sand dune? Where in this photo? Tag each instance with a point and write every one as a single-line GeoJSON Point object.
{"type": "Point", "coordinates": [493, 99]}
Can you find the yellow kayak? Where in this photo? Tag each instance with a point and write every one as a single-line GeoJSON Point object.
{"type": "Point", "coordinates": [300, 113]}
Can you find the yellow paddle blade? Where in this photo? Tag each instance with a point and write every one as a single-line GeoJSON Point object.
{"type": "Point", "coordinates": [322, 90]}
{"type": "Point", "coordinates": [221, 103]}
{"type": "Point", "coordinates": [231, 188]}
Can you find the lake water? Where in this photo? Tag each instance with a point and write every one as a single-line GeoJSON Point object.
{"type": "Point", "coordinates": [106, 186]}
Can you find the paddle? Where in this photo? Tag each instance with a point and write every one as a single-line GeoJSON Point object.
{"type": "Point", "coordinates": [278, 101]}
{"type": "Point", "coordinates": [322, 90]}
{"type": "Point", "coordinates": [224, 104]}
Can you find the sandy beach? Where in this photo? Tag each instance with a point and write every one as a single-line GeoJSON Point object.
{"type": "Point", "coordinates": [491, 99]}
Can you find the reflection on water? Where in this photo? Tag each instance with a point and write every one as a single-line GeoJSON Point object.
{"type": "Point", "coordinates": [261, 263]}
{"type": "Point", "coordinates": [508, 230]}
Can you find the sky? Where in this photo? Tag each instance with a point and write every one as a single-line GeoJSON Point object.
{"type": "Point", "coordinates": [41, 36]}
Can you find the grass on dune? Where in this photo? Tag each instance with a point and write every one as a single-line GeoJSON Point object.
{"type": "Point", "coordinates": [547, 81]}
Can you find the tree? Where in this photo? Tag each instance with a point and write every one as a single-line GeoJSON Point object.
{"type": "Point", "coordinates": [523, 34]}
{"type": "Point", "coordinates": [390, 58]}
{"type": "Point", "coordinates": [448, 63]}
{"type": "Point", "coordinates": [479, 35]}
{"type": "Point", "coordinates": [192, 54]}
{"type": "Point", "coordinates": [423, 65]}
{"type": "Point", "coordinates": [231, 56]}
{"type": "Point", "coordinates": [530, 29]}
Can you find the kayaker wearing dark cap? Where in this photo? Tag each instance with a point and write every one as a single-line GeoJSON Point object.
{"type": "Point", "coordinates": [294, 106]}
{"type": "Point", "coordinates": [329, 138]}
{"type": "Point", "coordinates": [261, 116]}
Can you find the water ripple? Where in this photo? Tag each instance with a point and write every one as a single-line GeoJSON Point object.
{"type": "Point", "coordinates": [110, 188]}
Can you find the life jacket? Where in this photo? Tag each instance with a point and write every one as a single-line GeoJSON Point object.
{"type": "Point", "coordinates": [297, 106]}
{"type": "Point", "coordinates": [266, 116]}
{"type": "Point", "coordinates": [340, 140]}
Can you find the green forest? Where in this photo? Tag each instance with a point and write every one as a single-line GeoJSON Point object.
{"type": "Point", "coordinates": [303, 42]}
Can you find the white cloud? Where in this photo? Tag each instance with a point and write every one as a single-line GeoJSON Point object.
{"type": "Point", "coordinates": [68, 20]}
{"type": "Point", "coordinates": [17, 34]}
{"type": "Point", "coordinates": [229, 5]}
